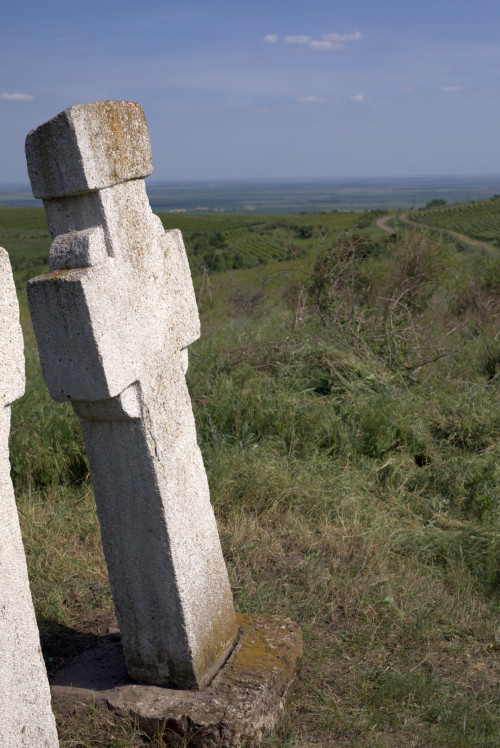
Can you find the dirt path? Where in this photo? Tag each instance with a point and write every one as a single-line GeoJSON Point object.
{"type": "Point", "coordinates": [382, 224]}
{"type": "Point", "coordinates": [466, 242]}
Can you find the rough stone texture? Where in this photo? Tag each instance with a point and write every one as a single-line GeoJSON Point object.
{"type": "Point", "coordinates": [25, 715]}
{"type": "Point", "coordinates": [113, 318]}
{"type": "Point", "coordinates": [89, 147]}
{"type": "Point", "coordinates": [243, 701]}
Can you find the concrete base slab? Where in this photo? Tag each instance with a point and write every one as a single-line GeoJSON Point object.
{"type": "Point", "coordinates": [242, 703]}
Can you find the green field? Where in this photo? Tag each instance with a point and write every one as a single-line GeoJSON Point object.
{"type": "Point", "coordinates": [24, 234]}
{"type": "Point", "coordinates": [227, 242]}
{"type": "Point", "coordinates": [348, 411]}
{"type": "Point", "coordinates": [217, 242]}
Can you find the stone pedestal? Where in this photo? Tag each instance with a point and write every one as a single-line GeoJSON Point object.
{"type": "Point", "coordinates": [242, 702]}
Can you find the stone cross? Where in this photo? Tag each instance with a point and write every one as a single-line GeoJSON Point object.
{"type": "Point", "coordinates": [113, 319]}
{"type": "Point", "coordinates": [25, 713]}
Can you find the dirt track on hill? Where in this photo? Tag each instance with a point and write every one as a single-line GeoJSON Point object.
{"type": "Point", "coordinates": [466, 242]}
{"type": "Point", "coordinates": [382, 224]}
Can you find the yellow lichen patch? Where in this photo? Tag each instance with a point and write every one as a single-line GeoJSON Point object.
{"type": "Point", "coordinates": [126, 143]}
{"type": "Point", "coordinates": [68, 274]}
{"type": "Point", "coordinates": [268, 646]}
{"type": "Point", "coordinates": [217, 645]}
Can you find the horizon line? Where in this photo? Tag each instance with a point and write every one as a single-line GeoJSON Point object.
{"type": "Point", "coordinates": [204, 180]}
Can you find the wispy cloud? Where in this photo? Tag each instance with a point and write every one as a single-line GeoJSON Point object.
{"type": "Point", "coordinates": [325, 43]}
{"type": "Point", "coordinates": [299, 39]}
{"type": "Point", "coordinates": [16, 97]}
{"type": "Point", "coordinates": [370, 101]}
{"type": "Point", "coordinates": [312, 100]}
{"type": "Point", "coordinates": [339, 38]}
{"type": "Point", "coordinates": [335, 41]}
{"type": "Point", "coordinates": [452, 89]}
{"type": "Point", "coordinates": [356, 99]}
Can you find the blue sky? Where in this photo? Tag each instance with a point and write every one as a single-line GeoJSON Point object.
{"type": "Point", "coordinates": [266, 89]}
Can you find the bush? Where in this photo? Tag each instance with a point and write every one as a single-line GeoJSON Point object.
{"type": "Point", "coordinates": [436, 203]}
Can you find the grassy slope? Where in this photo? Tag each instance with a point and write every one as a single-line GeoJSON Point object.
{"type": "Point", "coordinates": [474, 225]}
{"type": "Point", "coordinates": [349, 422]}
{"type": "Point", "coordinates": [480, 219]}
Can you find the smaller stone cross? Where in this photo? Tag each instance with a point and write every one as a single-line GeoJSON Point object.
{"type": "Point", "coordinates": [113, 319]}
{"type": "Point", "coordinates": [25, 715]}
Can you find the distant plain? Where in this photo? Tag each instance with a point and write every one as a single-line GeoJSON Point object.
{"type": "Point", "coordinates": [287, 196]}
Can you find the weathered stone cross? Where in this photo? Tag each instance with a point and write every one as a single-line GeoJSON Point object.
{"type": "Point", "coordinates": [113, 319]}
{"type": "Point", "coordinates": [25, 713]}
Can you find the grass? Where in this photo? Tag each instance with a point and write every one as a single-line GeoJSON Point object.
{"type": "Point", "coordinates": [347, 409]}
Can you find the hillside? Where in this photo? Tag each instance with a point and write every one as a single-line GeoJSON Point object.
{"type": "Point", "coordinates": [228, 242]}
{"type": "Point", "coordinates": [347, 407]}
{"type": "Point", "coordinates": [214, 242]}
{"type": "Point", "coordinates": [478, 219]}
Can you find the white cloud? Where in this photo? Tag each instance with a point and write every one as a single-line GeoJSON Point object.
{"type": "Point", "coordinates": [336, 38]}
{"type": "Point", "coordinates": [300, 39]}
{"type": "Point", "coordinates": [313, 100]}
{"type": "Point", "coordinates": [16, 97]}
{"type": "Point", "coordinates": [450, 89]}
{"type": "Point", "coordinates": [358, 98]}
{"type": "Point", "coordinates": [407, 90]}
{"type": "Point", "coordinates": [325, 45]}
